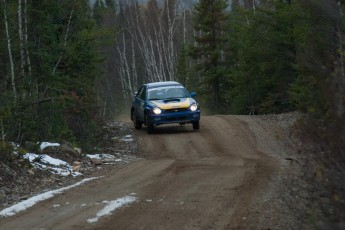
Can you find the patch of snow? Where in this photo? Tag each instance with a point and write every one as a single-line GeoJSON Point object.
{"type": "Point", "coordinates": [112, 206]}
{"type": "Point", "coordinates": [127, 138]}
{"type": "Point", "coordinates": [15, 148]}
{"type": "Point", "coordinates": [100, 156]}
{"type": "Point", "coordinates": [10, 211]}
{"type": "Point", "coordinates": [53, 161]}
{"type": "Point", "coordinates": [46, 162]}
{"type": "Point", "coordinates": [48, 144]}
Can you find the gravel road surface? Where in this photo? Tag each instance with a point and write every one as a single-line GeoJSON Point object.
{"type": "Point", "coordinates": [183, 179]}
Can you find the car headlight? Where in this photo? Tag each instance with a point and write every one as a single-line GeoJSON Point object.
{"type": "Point", "coordinates": [193, 107]}
{"type": "Point", "coordinates": [157, 110]}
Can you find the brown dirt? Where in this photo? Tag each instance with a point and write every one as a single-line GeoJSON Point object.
{"type": "Point", "coordinates": [234, 173]}
{"type": "Point", "coordinates": [17, 184]}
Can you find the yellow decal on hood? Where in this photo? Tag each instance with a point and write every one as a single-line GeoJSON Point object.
{"type": "Point", "coordinates": [173, 104]}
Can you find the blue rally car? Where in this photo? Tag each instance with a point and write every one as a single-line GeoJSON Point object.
{"type": "Point", "coordinates": [161, 103]}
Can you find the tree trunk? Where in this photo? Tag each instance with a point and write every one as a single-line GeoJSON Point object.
{"type": "Point", "coordinates": [28, 61]}
{"type": "Point", "coordinates": [21, 40]}
{"type": "Point", "coordinates": [10, 52]}
{"type": "Point", "coordinates": [339, 80]}
{"type": "Point", "coordinates": [65, 42]}
{"type": "Point", "coordinates": [2, 131]}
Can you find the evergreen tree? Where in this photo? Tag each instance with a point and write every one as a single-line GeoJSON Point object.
{"type": "Point", "coordinates": [266, 56]}
{"type": "Point", "coordinates": [57, 97]}
{"type": "Point", "coordinates": [182, 67]}
{"type": "Point", "coordinates": [210, 18]}
{"type": "Point", "coordinates": [319, 90]}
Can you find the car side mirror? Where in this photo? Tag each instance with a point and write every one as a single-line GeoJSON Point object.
{"type": "Point", "coordinates": [193, 94]}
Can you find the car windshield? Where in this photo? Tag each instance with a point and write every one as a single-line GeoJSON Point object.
{"type": "Point", "coordinates": [167, 92]}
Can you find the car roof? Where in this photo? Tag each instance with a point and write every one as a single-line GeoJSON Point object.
{"type": "Point", "coordinates": [162, 83]}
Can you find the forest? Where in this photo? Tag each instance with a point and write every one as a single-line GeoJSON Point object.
{"type": "Point", "coordinates": [69, 66]}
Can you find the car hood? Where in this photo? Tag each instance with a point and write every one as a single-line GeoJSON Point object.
{"type": "Point", "coordinates": [173, 103]}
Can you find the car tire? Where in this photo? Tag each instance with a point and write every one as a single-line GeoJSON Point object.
{"type": "Point", "coordinates": [150, 127]}
{"type": "Point", "coordinates": [196, 125]}
{"type": "Point", "coordinates": [137, 124]}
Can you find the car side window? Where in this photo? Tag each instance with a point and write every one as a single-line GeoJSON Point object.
{"type": "Point", "coordinates": [142, 94]}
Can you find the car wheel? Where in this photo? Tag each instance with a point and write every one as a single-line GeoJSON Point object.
{"type": "Point", "coordinates": [196, 125]}
{"type": "Point", "coordinates": [137, 124]}
{"type": "Point", "coordinates": [150, 127]}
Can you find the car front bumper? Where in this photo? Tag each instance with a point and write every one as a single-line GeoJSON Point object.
{"type": "Point", "coordinates": [173, 117]}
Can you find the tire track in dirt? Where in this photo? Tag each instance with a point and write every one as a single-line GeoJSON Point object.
{"type": "Point", "coordinates": [186, 180]}
{"type": "Point", "coordinates": [215, 176]}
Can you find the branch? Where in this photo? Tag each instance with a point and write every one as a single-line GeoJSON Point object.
{"type": "Point", "coordinates": [65, 42]}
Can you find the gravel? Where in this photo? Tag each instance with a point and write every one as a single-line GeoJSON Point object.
{"type": "Point", "coordinates": [297, 197]}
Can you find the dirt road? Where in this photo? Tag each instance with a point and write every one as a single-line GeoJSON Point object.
{"type": "Point", "coordinates": [207, 179]}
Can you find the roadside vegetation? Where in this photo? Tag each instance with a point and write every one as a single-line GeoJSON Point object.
{"type": "Point", "coordinates": [68, 66]}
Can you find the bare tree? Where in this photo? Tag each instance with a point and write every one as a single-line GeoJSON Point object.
{"type": "Point", "coordinates": [125, 74]}
{"type": "Point", "coordinates": [21, 40]}
{"type": "Point", "coordinates": [28, 61]}
{"type": "Point", "coordinates": [9, 47]}
{"type": "Point", "coordinates": [339, 79]}
{"type": "Point", "coordinates": [152, 30]}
